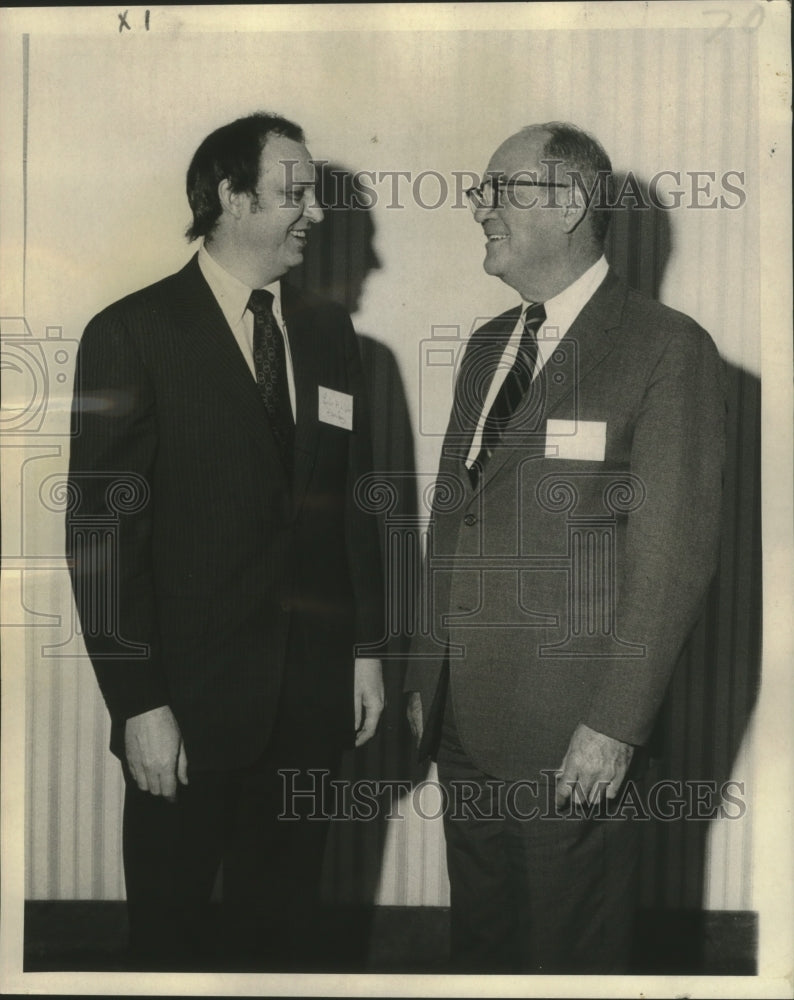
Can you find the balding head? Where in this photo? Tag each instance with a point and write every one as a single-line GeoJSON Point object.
{"type": "Point", "coordinates": [543, 229]}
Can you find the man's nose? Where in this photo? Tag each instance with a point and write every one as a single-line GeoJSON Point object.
{"type": "Point", "coordinates": [313, 209]}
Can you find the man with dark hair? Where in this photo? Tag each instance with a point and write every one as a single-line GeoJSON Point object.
{"type": "Point", "coordinates": [231, 152]}
{"type": "Point", "coordinates": [570, 551]}
{"type": "Point", "coordinates": [220, 423]}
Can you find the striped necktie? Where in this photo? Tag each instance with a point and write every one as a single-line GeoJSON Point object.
{"type": "Point", "coordinates": [512, 390]}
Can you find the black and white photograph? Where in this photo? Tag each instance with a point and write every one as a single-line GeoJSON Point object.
{"type": "Point", "coordinates": [397, 444]}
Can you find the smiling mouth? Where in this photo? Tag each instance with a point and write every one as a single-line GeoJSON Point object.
{"type": "Point", "coordinates": [299, 234]}
{"type": "Point", "coordinates": [496, 238]}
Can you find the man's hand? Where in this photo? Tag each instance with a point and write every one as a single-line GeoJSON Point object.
{"type": "Point", "coordinates": [414, 713]}
{"type": "Point", "coordinates": [368, 698]}
{"type": "Point", "coordinates": [155, 752]}
{"type": "Point", "coordinates": [596, 762]}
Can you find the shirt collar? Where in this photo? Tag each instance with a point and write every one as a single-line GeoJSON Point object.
{"type": "Point", "coordinates": [232, 294]}
{"type": "Point", "coordinates": [563, 308]}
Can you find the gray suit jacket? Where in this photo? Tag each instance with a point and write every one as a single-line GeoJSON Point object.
{"type": "Point", "coordinates": [565, 584]}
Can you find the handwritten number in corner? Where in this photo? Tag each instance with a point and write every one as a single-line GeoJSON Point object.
{"type": "Point", "coordinates": [124, 23]}
{"type": "Point", "coordinates": [752, 22]}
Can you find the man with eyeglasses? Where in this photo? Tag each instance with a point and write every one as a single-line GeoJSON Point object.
{"type": "Point", "coordinates": [570, 551]}
{"type": "Point", "coordinates": [220, 422]}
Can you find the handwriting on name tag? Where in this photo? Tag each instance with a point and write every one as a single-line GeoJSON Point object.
{"type": "Point", "coordinates": [336, 408]}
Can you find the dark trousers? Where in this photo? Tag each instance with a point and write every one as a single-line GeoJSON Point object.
{"type": "Point", "coordinates": [269, 842]}
{"type": "Point", "coordinates": [553, 893]}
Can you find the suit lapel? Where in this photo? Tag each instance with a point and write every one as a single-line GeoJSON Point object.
{"type": "Point", "coordinates": [483, 354]}
{"type": "Point", "coordinates": [301, 334]}
{"type": "Point", "coordinates": [210, 339]}
{"type": "Point", "coordinates": [589, 339]}
{"type": "Point", "coordinates": [584, 346]}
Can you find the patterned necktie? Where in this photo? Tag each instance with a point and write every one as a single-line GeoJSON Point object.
{"type": "Point", "coordinates": [512, 390]}
{"type": "Point", "coordinates": [270, 367]}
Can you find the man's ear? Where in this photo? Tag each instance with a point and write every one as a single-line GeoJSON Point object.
{"type": "Point", "coordinates": [573, 211]}
{"type": "Point", "coordinates": [232, 202]}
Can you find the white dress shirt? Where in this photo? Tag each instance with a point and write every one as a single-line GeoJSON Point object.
{"type": "Point", "coordinates": [561, 311]}
{"type": "Point", "coordinates": [232, 296]}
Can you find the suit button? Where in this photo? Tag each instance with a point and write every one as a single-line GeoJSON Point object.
{"type": "Point", "coordinates": [470, 519]}
{"type": "Point", "coordinates": [285, 605]}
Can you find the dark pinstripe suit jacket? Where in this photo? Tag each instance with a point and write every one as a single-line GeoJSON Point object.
{"type": "Point", "coordinates": [190, 554]}
{"type": "Point", "coordinates": [566, 583]}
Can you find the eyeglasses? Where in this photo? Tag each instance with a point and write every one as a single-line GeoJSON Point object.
{"type": "Point", "coordinates": [488, 194]}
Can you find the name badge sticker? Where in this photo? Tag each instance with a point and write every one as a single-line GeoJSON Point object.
{"type": "Point", "coordinates": [580, 440]}
{"type": "Point", "coordinates": [336, 408]}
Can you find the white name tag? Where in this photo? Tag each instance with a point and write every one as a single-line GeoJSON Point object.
{"type": "Point", "coordinates": [582, 440]}
{"type": "Point", "coordinates": [336, 408]}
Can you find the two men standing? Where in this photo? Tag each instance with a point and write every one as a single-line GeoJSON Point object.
{"type": "Point", "coordinates": [223, 618]}
{"type": "Point", "coordinates": [584, 453]}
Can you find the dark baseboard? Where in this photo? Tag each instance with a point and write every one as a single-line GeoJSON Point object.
{"type": "Point", "coordinates": [90, 936]}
